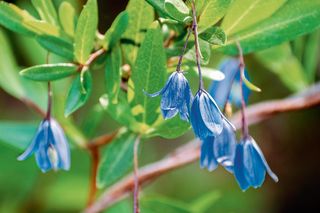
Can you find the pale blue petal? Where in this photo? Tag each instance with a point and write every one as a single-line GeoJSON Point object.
{"type": "Point", "coordinates": [42, 157]}
{"type": "Point", "coordinates": [207, 158]}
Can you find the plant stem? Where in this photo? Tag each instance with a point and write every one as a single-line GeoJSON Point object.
{"type": "Point", "coordinates": [94, 151]}
{"type": "Point", "coordinates": [136, 208]}
{"type": "Point", "coordinates": [245, 129]}
{"type": "Point", "coordinates": [183, 50]}
{"type": "Point", "coordinates": [196, 41]}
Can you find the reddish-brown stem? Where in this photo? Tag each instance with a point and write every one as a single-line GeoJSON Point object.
{"type": "Point", "coordinates": [94, 152]}
{"type": "Point", "coordinates": [94, 56]}
{"type": "Point", "coordinates": [102, 140]}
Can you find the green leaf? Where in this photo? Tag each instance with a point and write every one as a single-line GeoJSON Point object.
{"type": "Point", "coordinates": [250, 85]}
{"type": "Point", "coordinates": [112, 74]}
{"type": "Point", "coordinates": [245, 13]}
{"type": "Point", "coordinates": [67, 17]}
{"type": "Point", "coordinates": [56, 45]}
{"type": "Point", "coordinates": [311, 55]}
{"type": "Point", "coordinates": [79, 92]}
{"type": "Point", "coordinates": [91, 122]}
{"type": "Point", "coordinates": [86, 31]}
{"type": "Point", "coordinates": [211, 12]}
{"type": "Point", "coordinates": [161, 204]}
{"type": "Point", "coordinates": [46, 10]}
{"type": "Point", "coordinates": [141, 16]}
{"type": "Point", "coordinates": [285, 65]}
{"type": "Point", "coordinates": [214, 35]}
{"type": "Point", "coordinates": [49, 72]}
{"type": "Point", "coordinates": [205, 49]}
{"type": "Point", "coordinates": [171, 128]}
{"type": "Point", "coordinates": [117, 159]}
{"type": "Point", "coordinates": [17, 134]}
{"type": "Point", "coordinates": [149, 75]}
{"type": "Point", "coordinates": [114, 33]}
{"type": "Point", "coordinates": [287, 23]}
{"type": "Point", "coordinates": [158, 5]}
{"type": "Point", "coordinates": [178, 10]}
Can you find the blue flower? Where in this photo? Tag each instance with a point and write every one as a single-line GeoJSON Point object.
{"type": "Point", "coordinates": [225, 146]}
{"type": "Point", "coordinates": [207, 158]}
{"type": "Point", "coordinates": [229, 88]}
{"type": "Point", "coordinates": [50, 147]}
{"type": "Point", "coordinates": [250, 166]}
{"type": "Point", "coordinates": [206, 118]}
{"type": "Point", "coordinates": [176, 97]}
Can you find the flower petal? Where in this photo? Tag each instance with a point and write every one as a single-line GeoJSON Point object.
{"type": "Point", "coordinates": [239, 168]}
{"type": "Point", "coordinates": [42, 157]}
{"type": "Point", "coordinates": [207, 158]}
{"type": "Point", "coordinates": [169, 113]}
{"type": "Point", "coordinates": [162, 90]}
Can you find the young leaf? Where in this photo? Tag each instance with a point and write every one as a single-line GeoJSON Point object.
{"type": "Point", "coordinates": [211, 12]}
{"type": "Point", "coordinates": [79, 92]}
{"type": "Point", "coordinates": [86, 31]}
{"type": "Point", "coordinates": [178, 10]}
{"type": "Point", "coordinates": [117, 159]}
{"type": "Point", "coordinates": [214, 35]}
{"type": "Point", "coordinates": [67, 17]}
{"type": "Point", "coordinates": [118, 27]}
{"type": "Point", "coordinates": [148, 75]}
{"type": "Point", "coordinates": [17, 134]}
{"type": "Point", "coordinates": [141, 16]}
{"type": "Point", "coordinates": [245, 13]}
{"type": "Point", "coordinates": [49, 72]}
{"type": "Point", "coordinates": [46, 11]}
{"type": "Point", "coordinates": [112, 74]}
{"type": "Point", "coordinates": [285, 65]}
{"type": "Point", "coordinates": [56, 45]}
{"type": "Point", "coordinates": [286, 24]}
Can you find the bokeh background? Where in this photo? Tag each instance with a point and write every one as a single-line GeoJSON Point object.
{"type": "Point", "coordinates": [290, 142]}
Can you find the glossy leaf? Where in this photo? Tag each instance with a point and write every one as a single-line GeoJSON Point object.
{"type": "Point", "coordinates": [141, 16]}
{"type": "Point", "coordinates": [178, 10]}
{"type": "Point", "coordinates": [56, 45]}
{"type": "Point", "coordinates": [117, 159]}
{"type": "Point", "coordinates": [18, 134]}
{"type": "Point", "coordinates": [46, 11]}
{"type": "Point", "coordinates": [113, 75]}
{"type": "Point", "coordinates": [214, 35]}
{"type": "Point", "coordinates": [79, 92]}
{"type": "Point", "coordinates": [67, 17]}
{"type": "Point", "coordinates": [286, 24]}
{"type": "Point", "coordinates": [210, 12]}
{"type": "Point", "coordinates": [149, 75]}
{"type": "Point", "coordinates": [285, 65]}
{"type": "Point", "coordinates": [49, 72]}
{"type": "Point", "coordinates": [114, 33]}
{"type": "Point", "coordinates": [86, 31]}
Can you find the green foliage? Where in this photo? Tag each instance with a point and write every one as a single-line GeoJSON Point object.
{"type": "Point", "coordinates": [117, 158]}
{"type": "Point", "coordinates": [46, 11]}
{"type": "Point", "coordinates": [214, 35]}
{"type": "Point", "coordinates": [67, 18]}
{"type": "Point", "coordinates": [79, 92]}
{"type": "Point", "coordinates": [56, 45]}
{"type": "Point", "coordinates": [49, 72]}
{"type": "Point", "coordinates": [177, 10]}
{"type": "Point", "coordinates": [86, 31]}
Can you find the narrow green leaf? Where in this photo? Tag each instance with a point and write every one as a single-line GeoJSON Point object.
{"type": "Point", "coordinates": [46, 10]}
{"type": "Point", "coordinates": [178, 10]}
{"type": "Point", "coordinates": [287, 23]}
{"type": "Point", "coordinates": [158, 5]}
{"type": "Point", "coordinates": [17, 134]}
{"type": "Point", "coordinates": [117, 159]}
{"type": "Point", "coordinates": [114, 33]}
{"type": "Point", "coordinates": [79, 93]}
{"type": "Point", "coordinates": [149, 75]}
{"type": "Point", "coordinates": [56, 45]}
{"type": "Point", "coordinates": [49, 72]}
{"type": "Point", "coordinates": [211, 12]}
{"type": "Point", "coordinates": [141, 16]}
{"type": "Point", "coordinates": [112, 74]}
{"type": "Point", "coordinates": [67, 17]}
{"type": "Point", "coordinates": [285, 65]}
{"type": "Point", "coordinates": [214, 35]}
{"type": "Point", "coordinates": [86, 31]}
{"type": "Point", "coordinates": [250, 85]}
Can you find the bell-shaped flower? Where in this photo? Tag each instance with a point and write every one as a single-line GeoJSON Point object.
{"type": "Point", "coordinates": [207, 157]}
{"type": "Point", "coordinates": [176, 97]}
{"type": "Point", "coordinates": [50, 147]}
{"type": "Point", "coordinates": [229, 88]}
{"type": "Point", "coordinates": [206, 118]}
{"type": "Point", "coordinates": [225, 146]}
{"type": "Point", "coordinates": [250, 166]}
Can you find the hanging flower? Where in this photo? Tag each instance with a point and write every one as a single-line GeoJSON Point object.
{"type": "Point", "coordinates": [250, 166]}
{"type": "Point", "coordinates": [50, 147]}
{"type": "Point", "coordinates": [176, 96]}
{"type": "Point", "coordinates": [207, 157]}
{"type": "Point", "coordinates": [229, 88]}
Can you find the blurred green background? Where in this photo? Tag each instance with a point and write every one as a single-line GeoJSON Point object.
{"type": "Point", "coordinates": [290, 142]}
